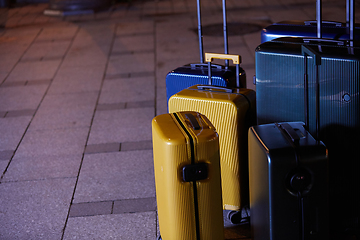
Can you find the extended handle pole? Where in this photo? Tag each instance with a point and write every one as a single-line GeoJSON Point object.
{"type": "Point", "coordinates": [226, 46]}
{"type": "Point", "coordinates": [201, 48]}
{"type": "Point", "coordinates": [318, 18]}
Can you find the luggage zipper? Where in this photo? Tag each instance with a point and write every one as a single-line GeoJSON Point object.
{"type": "Point", "coordinates": [188, 169]}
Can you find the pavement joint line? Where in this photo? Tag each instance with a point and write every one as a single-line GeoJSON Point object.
{"type": "Point", "coordinates": [136, 205]}
{"type": "Point", "coordinates": [124, 105]}
{"type": "Point", "coordinates": [6, 155]}
{"type": "Point", "coordinates": [118, 147]}
{"type": "Point", "coordinates": [20, 113]}
{"type": "Point", "coordinates": [128, 75]}
{"type": "Point", "coordinates": [116, 53]}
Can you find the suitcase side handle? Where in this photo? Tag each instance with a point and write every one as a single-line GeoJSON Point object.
{"type": "Point", "coordinates": [313, 22]}
{"type": "Point", "coordinates": [196, 65]}
{"type": "Point", "coordinates": [195, 124]}
{"type": "Point", "coordinates": [204, 87]}
{"type": "Point", "coordinates": [235, 58]}
{"type": "Point", "coordinates": [319, 40]}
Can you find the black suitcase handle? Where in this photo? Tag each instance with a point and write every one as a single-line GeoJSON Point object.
{"type": "Point", "coordinates": [313, 22]}
{"type": "Point", "coordinates": [204, 87]}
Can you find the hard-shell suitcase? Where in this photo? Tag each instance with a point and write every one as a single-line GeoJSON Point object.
{"type": "Point", "coordinates": [232, 111]}
{"type": "Point", "coordinates": [196, 73]}
{"type": "Point", "coordinates": [280, 92]}
{"type": "Point", "coordinates": [187, 177]}
{"type": "Point", "coordinates": [288, 175]}
{"type": "Point", "coordinates": [304, 29]}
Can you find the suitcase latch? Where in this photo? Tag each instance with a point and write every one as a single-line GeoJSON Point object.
{"type": "Point", "coordinates": [195, 172]}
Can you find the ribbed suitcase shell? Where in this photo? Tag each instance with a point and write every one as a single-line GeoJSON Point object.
{"type": "Point", "coordinates": [274, 204]}
{"type": "Point", "coordinates": [231, 114]}
{"type": "Point", "coordinates": [192, 74]}
{"type": "Point", "coordinates": [302, 29]}
{"type": "Point", "coordinates": [280, 97]}
{"type": "Point", "coordinates": [175, 198]}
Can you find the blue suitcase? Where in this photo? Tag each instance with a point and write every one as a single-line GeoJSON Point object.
{"type": "Point", "coordinates": [279, 67]}
{"type": "Point", "coordinates": [304, 29]}
{"type": "Point", "coordinates": [197, 73]}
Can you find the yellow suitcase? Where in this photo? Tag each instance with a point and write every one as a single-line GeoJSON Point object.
{"type": "Point", "coordinates": [232, 111]}
{"type": "Point", "coordinates": [187, 177]}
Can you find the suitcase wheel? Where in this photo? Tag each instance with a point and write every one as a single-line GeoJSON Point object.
{"type": "Point", "coordinates": [159, 238]}
{"type": "Point", "coordinates": [234, 217]}
{"type": "Point", "coordinates": [239, 217]}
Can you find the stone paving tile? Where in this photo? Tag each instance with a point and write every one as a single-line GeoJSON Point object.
{"type": "Point", "coordinates": [102, 148]}
{"type": "Point", "coordinates": [123, 125]}
{"type": "Point", "coordinates": [138, 62]}
{"type": "Point", "coordinates": [58, 118]}
{"type": "Point", "coordinates": [77, 79]}
{"type": "Point", "coordinates": [70, 100]}
{"type": "Point", "coordinates": [135, 205]}
{"type": "Point", "coordinates": [134, 146]}
{"type": "Point", "coordinates": [118, 175]}
{"type": "Point", "coordinates": [37, 70]}
{"type": "Point", "coordinates": [11, 131]}
{"type": "Point", "coordinates": [140, 104]}
{"type": "Point", "coordinates": [38, 82]}
{"type": "Point", "coordinates": [91, 209]}
{"type": "Point", "coordinates": [57, 33]}
{"type": "Point", "coordinates": [128, 90]}
{"type": "Point", "coordinates": [20, 98]}
{"type": "Point", "coordinates": [43, 167]}
{"type": "Point", "coordinates": [138, 43]}
{"type": "Point", "coordinates": [47, 50]}
{"type": "Point", "coordinates": [35, 209]}
{"type": "Point", "coordinates": [134, 28]}
{"type": "Point", "coordinates": [20, 113]}
{"type": "Point", "coordinates": [3, 165]}
{"type": "Point", "coordinates": [110, 106]}
{"type": "Point", "coordinates": [127, 226]}
{"type": "Point", "coordinates": [129, 75]}
{"type": "Point", "coordinates": [6, 154]}
{"type": "Point", "coordinates": [53, 142]}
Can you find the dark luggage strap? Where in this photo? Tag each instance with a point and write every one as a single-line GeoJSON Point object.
{"type": "Point", "coordinates": [306, 51]}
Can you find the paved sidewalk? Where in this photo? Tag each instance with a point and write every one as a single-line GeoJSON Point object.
{"type": "Point", "coordinates": [77, 96]}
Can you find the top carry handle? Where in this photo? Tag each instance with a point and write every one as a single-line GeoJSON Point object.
{"type": "Point", "coordinates": [235, 58]}
{"type": "Point", "coordinates": [201, 46]}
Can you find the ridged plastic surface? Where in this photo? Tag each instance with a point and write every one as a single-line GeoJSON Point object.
{"type": "Point", "coordinates": [275, 209]}
{"type": "Point", "coordinates": [175, 198]}
{"type": "Point", "coordinates": [184, 77]}
{"type": "Point", "coordinates": [231, 114]}
{"type": "Point", "coordinates": [280, 98]}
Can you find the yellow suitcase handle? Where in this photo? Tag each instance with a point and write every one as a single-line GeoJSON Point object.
{"type": "Point", "coordinates": [235, 58]}
{"type": "Point", "coordinates": [210, 56]}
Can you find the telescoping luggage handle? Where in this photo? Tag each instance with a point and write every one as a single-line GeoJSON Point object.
{"type": "Point", "coordinates": [201, 48]}
{"type": "Point", "coordinates": [235, 58]}
{"type": "Point", "coordinates": [350, 22]}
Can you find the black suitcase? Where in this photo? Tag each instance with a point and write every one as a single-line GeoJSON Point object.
{"type": "Point", "coordinates": [288, 176]}
{"type": "Point", "coordinates": [288, 180]}
{"type": "Point", "coordinates": [279, 96]}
